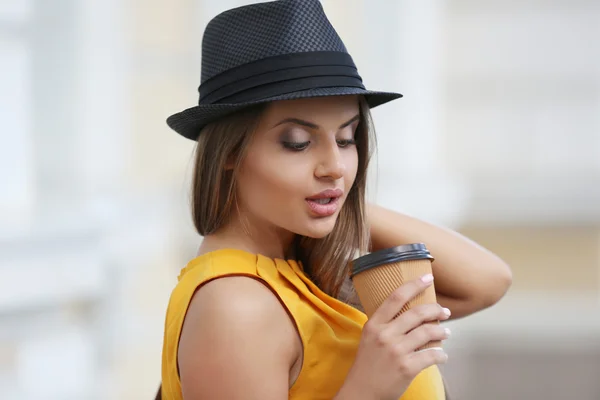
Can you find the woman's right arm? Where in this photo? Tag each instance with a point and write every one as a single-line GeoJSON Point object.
{"type": "Point", "coordinates": [237, 342]}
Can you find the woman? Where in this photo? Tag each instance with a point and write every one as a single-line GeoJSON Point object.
{"type": "Point", "coordinates": [283, 130]}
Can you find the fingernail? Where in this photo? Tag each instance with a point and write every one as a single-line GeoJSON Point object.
{"type": "Point", "coordinates": [447, 331]}
{"type": "Point", "coordinates": [427, 278]}
{"type": "Point", "coordinates": [447, 312]}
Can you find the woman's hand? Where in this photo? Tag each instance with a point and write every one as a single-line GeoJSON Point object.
{"type": "Point", "coordinates": [386, 362]}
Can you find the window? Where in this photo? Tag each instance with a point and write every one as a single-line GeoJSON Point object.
{"type": "Point", "coordinates": [16, 111]}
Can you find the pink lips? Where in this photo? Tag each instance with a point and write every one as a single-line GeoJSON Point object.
{"type": "Point", "coordinates": [325, 203]}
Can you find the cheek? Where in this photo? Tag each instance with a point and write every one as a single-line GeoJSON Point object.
{"type": "Point", "coordinates": [268, 180]}
{"type": "Point", "coordinates": [351, 163]}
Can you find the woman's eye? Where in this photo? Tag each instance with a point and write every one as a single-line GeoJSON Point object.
{"type": "Point", "coordinates": [346, 142]}
{"type": "Point", "coordinates": [296, 146]}
{"type": "Point", "coordinates": [299, 146]}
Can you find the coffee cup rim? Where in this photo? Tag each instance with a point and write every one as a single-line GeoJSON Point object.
{"type": "Point", "coordinates": [407, 252]}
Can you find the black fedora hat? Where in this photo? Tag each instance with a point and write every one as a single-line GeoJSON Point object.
{"type": "Point", "coordinates": [279, 50]}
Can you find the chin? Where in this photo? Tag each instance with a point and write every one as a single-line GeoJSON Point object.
{"type": "Point", "coordinates": [319, 229]}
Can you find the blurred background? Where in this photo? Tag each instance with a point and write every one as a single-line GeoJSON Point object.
{"type": "Point", "coordinates": [498, 136]}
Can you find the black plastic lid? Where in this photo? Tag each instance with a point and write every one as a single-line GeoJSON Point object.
{"type": "Point", "coordinates": [415, 251]}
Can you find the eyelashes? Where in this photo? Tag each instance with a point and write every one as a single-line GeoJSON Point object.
{"type": "Point", "coordinates": [295, 146]}
{"type": "Point", "coordinates": [299, 146]}
{"type": "Point", "coordinates": [346, 142]}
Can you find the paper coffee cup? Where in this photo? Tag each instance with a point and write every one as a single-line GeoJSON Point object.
{"type": "Point", "coordinates": [378, 274]}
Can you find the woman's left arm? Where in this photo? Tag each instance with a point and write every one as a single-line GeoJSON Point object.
{"type": "Point", "coordinates": [468, 277]}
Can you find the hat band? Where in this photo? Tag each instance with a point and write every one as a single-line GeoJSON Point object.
{"type": "Point", "coordinates": [280, 75]}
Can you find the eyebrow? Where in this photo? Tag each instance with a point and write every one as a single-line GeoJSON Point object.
{"type": "Point", "coordinates": [312, 125]}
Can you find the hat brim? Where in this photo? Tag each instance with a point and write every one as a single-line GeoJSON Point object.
{"type": "Point", "coordinates": [189, 122]}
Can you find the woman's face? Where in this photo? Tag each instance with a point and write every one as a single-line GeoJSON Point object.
{"type": "Point", "coordinates": [300, 165]}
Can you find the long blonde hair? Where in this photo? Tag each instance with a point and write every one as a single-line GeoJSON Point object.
{"type": "Point", "coordinates": [224, 142]}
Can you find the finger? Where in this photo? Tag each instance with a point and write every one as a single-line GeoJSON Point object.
{"type": "Point", "coordinates": [423, 359]}
{"type": "Point", "coordinates": [399, 297]}
{"type": "Point", "coordinates": [424, 334]}
{"type": "Point", "coordinates": [418, 315]}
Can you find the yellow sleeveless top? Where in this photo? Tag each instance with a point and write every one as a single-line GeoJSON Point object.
{"type": "Point", "coordinates": [329, 329]}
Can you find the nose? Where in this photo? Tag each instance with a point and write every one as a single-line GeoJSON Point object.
{"type": "Point", "coordinates": [330, 164]}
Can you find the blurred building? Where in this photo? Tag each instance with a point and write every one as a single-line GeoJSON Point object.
{"type": "Point", "coordinates": [498, 136]}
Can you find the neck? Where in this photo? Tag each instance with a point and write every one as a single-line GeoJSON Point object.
{"type": "Point", "coordinates": [272, 242]}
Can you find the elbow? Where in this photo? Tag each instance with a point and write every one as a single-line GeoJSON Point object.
{"type": "Point", "coordinates": [499, 284]}
{"type": "Point", "coordinates": [484, 292]}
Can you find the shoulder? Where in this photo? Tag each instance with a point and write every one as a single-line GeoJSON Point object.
{"type": "Point", "coordinates": [235, 328]}
{"type": "Point", "coordinates": [232, 300]}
